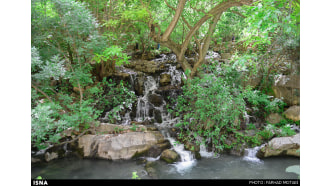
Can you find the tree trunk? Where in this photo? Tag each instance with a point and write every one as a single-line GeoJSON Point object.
{"type": "Point", "coordinates": [180, 49]}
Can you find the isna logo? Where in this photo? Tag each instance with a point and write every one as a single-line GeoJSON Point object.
{"type": "Point", "coordinates": [39, 181]}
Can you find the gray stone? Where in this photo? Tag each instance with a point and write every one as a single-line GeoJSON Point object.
{"type": "Point", "coordinates": [50, 156]}
{"type": "Point", "coordinates": [293, 113]}
{"type": "Point", "coordinates": [288, 88]}
{"type": "Point", "coordinates": [281, 146]}
{"type": "Point", "coordinates": [122, 146]}
{"type": "Point", "coordinates": [169, 156]}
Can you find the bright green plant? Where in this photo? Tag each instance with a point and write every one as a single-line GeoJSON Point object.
{"type": "Point", "coordinates": [109, 58]}
{"type": "Point", "coordinates": [135, 175]}
{"type": "Point", "coordinates": [134, 127]}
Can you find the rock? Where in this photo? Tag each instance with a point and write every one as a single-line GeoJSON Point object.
{"type": "Point", "coordinates": [50, 156]}
{"type": "Point", "coordinates": [158, 116]}
{"type": "Point", "coordinates": [145, 66]}
{"type": "Point", "coordinates": [156, 150]}
{"type": "Point", "coordinates": [139, 85]}
{"type": "Point", "coordinates": [288, 88]}
{"type": "Point", "coordinates": [151, 170]}
{"type": "Point", "coordinates": [155, 99]}
{"type": "Point", "coordinates": [293, 113]}
{"type": "Point", "coordinates": [169, 92]}
{"type": "Point", "coordinates": [169, 156]}
{"type": "Point", "coordinates": [274, 118]}
{"type": "Point", "coordinates": [122, 146]}
{"type": "Point", "coordinates": [281, 146]}
{"type": "Point", "coordinates": [106, 128]}
{"type": "Point", "coordinates": [165, 79]}
{"type": "Point", "coordinates": [193, 148]}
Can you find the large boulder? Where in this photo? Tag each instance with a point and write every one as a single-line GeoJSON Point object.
{"type": "Point", "coordinates": [122, 146]}
{"type": "Point", "coordinates": [293, 113]}
{"type": "Point", "coordinates": [288, 88]}
{"type": "Point", "coordinates": [281, 146]}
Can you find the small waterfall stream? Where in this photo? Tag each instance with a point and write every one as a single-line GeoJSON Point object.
{"type": "Point", "coordinates": [251, 155]}
{"type": "Point", "coordinates": [151, 105]}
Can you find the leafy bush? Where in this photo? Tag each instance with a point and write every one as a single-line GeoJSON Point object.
{"type": "Point", "coordinates": [108, 96]}
{"type": "Point", "coordinates": [212, 107]}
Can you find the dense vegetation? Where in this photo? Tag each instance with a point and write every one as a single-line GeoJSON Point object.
{"type": "Point", "coordinates": [76, 46]}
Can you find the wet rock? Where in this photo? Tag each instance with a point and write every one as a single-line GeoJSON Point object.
{"type": "Point", "coordinates": [281, 146]}
{"type": "Point", "coordinates": [165, 79]}
{"type": "Point", "coordinates": [155, 99]}
{"type": "Point", "coordinates": [51, 156]}
{"type": "Point", "coordinates": [169, 92]}
{"type": "Point", "coordinates": [122, 146]}
{"type": "Point", "coordinates": [293, 113]}
{"type": "Point", "coordinates": [169, 156]}
{"type": "Point", "coordinates": [157, 149]}
{"type": "Point", "coordinates": [139, 85]}
{"type": "Point", "coordinates": [149, 167]}
{"type": "Point", "coordinates": [158, 116]}
{"type": "Point", "coordinates": [193, 148]}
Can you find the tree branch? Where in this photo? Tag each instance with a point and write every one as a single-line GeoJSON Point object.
{"type": "Point", "coordinates": [42, 92]}
{"type": "Point", "coordinates": [237, 13]}
{"type": "Point", "coordinates": [174, 21]}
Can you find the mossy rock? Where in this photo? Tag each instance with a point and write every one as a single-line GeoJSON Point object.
{"type": "Point", "coordinates": [169, 156]}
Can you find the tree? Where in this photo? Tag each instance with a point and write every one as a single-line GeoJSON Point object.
{"type": "Point", "coordinates": [65, 39]}
{"type": "Point", "coordinates": [210, 12]}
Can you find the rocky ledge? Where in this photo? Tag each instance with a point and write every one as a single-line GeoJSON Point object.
{"type": "Point", "coordinates": [281, 146]}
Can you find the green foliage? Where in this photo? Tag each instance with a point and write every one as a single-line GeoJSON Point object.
{"type": "Point", "coordinates": [270, 19]}
{"type": "Point", "coordinates": [134, 127]}
{"type": "Point", "coordinates": [212, 107]}
{"type": "Point", "coordinates": [135, 175]}
{"type": "Point", "coordinates": [107, 95]}
{"type": "Point", "coordinates": [263, 103]}
{"type": "Point", "coordinates": [270, 131]}
{"type": "Point", "coordinates": [114, 54]}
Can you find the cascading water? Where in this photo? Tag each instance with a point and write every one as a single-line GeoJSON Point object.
{"type": "Point", "coordinates": [143, 105]}
{"type": "Point", "coordinates": [251, 155]}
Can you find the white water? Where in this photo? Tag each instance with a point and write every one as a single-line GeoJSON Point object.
{"type": "Point", "coordinates": [187, 158]}
{"type": "Point", "coordinates": [251, 155]}
{"type": "Point", "coordinates": [143, 105]}
{"type": "Point", "coordinates": [205, 154]}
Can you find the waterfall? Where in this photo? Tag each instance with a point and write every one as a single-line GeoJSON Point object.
{"type": "Point", "coordinates": [187, 158]}
{"type": "Point", "coordinates": [251, 155]}
{"type": "Point", "coordinates": [204, 153]}
{"type": "Point", "coordinates": [143, 105]}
